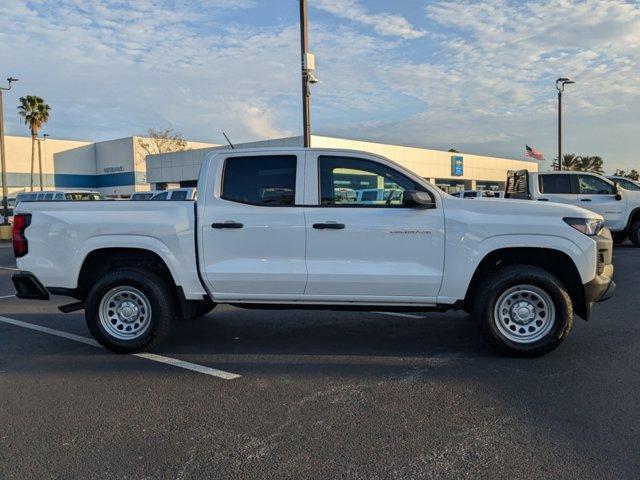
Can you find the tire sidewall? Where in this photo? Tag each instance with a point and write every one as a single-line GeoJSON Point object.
{"type": "Point", "coordinates": [634, 234]}
{"type": "Point", "coordinates": [158, 296]}
{"type": "Point", "coordinates": [541, 279]}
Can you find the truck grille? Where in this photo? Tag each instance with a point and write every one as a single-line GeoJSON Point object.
{"type": "Point", "coordinates": [601, 260]}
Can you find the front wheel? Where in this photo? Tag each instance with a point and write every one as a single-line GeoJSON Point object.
{"type": "Point", "coordinates": [618, 237]}
{"type": "Point", "coordinates": [634, 233]}
{"type": "Point", "coordinates": [525, 311]}
{"type": "Point", "coordinates": [129, 311]}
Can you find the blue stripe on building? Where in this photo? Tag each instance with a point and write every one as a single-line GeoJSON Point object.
{"type": "Point", "coordinates": [66, 180]}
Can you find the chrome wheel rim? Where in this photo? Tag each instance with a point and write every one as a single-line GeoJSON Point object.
{"type": "Point", "coordinates": [524, 314]}
{"type": "Point", "coordinates": [125, 313]}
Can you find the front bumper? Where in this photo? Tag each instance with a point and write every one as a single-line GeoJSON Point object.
{"type": "Point", "coordinates": [602, 287]}
{"type": "Point", "coordinates": [29, 287]}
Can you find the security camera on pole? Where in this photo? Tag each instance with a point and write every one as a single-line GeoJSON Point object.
{"type": "Point", "coordinates": [308, 66]}
{"type": "Point", "coordinates": [5, 228]}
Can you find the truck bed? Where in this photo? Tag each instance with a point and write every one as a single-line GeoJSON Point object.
{"type": "Point", "coordinates": [62, 233]}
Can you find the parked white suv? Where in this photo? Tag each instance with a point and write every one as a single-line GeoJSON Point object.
{"type": "Point", "coordinates": [272, 229]}
{"type": "Point", "coordinates": [625, 182]}
{"type": "Point", "coordinates": [619, 207]}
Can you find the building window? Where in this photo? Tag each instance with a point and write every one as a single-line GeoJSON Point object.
{"type": "Point", "coordinates": [268, 181]}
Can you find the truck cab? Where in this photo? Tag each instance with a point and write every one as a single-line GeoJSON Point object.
{"type": "Point", "coordinates": [619, 207]}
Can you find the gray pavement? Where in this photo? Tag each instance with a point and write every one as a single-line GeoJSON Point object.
{"type": "Point", "coordinates": [321, 395]}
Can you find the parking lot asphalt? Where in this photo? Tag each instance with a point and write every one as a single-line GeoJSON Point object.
{"type": "Point", "coordinates": [319, 395]}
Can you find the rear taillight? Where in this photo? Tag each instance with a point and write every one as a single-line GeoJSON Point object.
{"type": "Point", "coordinates": [20, 223]}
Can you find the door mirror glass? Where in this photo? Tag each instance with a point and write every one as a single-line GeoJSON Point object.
{"type": "Point", "coordinates": [417, 199]}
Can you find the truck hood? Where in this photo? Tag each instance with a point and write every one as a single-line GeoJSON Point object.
{"type": "Point", "coordinates": [495, 206]}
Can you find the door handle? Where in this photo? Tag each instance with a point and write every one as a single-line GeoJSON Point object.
{"type": "Point", "coordinates": [543, 199]}
{"type": "Point", "coordinates": [226, 225]}
{"type": "Point", "coordinates": [328, 226]}
{"type": "Point", "coordinates": [585, 199]}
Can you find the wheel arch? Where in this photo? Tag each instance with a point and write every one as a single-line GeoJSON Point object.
{"type": "Point", "coordinates": [633, 216]}
{"type": "Point", "coordinates": [551, 260]}
{"type": "Point", "coordinates": [102, 260]}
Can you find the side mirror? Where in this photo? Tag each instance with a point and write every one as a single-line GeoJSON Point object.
{"type": "Point", "coordinates": [616, 190]}
{"type": "Point", "coordinates": [417, 199]}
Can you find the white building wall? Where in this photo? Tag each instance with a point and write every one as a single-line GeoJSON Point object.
{"type": "Point", "coordinates": [431, 164]}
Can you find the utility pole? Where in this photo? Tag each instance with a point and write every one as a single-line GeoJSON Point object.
{"type": "Point", "coordinates": [560, 83]}
{"type": "Point", "coordinates": [40, 162]}
{"type": "Point", "coordinates": [307, 62]}
{"type": "Point", "coordinates": [3, 163]}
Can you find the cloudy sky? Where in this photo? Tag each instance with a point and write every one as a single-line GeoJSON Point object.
{"type": "Point", "coordinates": [475, 75]}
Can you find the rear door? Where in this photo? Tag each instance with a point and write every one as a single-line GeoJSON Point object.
{"type": "Point", "coordinates": [253, 227]}
{"type": "Point", "coordinates": [598, 195]}
{"type": "Point", "coordinates": [557, 187]}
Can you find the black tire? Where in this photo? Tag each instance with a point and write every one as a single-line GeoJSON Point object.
{"type": "Point", "coordinates": [634, 233]}
{"type": "Point", "coordinates": [155, 291]}
{"type": "Point", "coordinates": [618, 237]}
{"type": "Point", "coordinates": [503, 281]}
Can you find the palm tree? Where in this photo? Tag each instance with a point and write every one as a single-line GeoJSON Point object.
{"type": "Point", "coordinates": [570, 161]}
{"type": "Point", "coordinates": [591, 164]}
{"type": "Point", "coordinates": [35, 113]}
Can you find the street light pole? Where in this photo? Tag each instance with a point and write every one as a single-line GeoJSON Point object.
{"type": "Point", "coordinates": [306, 93]}
{"type": "Point", "coordinates": [3, 161]}
{"type": "Point", "coordinates": [560, 83]}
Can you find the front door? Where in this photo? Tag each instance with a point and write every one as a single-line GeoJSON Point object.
{"type": "Point", "coordinates": [598, 195]}
{"type": "Point", "coordinates": [252, 231]}
{"type": "Point", "coordinates": [366, 247]}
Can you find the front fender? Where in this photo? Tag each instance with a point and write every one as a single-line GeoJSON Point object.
{"type": "Point", "coordinates": [463, 257]}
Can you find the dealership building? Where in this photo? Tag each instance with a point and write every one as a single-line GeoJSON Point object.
{"type": "Point", "coordinates": [115, 168]}
{"type": "Point", "coordinates": [450, 171]}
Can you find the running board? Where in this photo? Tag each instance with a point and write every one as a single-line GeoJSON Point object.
{"type": "Point", "coordinates": [71, 307]}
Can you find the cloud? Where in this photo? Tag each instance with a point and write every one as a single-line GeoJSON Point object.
{"type": "Point", "coordinates": [488, 85]}
{"type": "Point", "coordinates": [382, 23]}
{"type": "Point", "coordinates": [480, 79]}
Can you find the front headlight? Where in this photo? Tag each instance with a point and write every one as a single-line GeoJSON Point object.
{"type": "Point", "coordinates": [588, 226]}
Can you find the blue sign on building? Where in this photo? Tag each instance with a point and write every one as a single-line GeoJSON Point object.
{"type": "Point", "coordinates": [457, 166]}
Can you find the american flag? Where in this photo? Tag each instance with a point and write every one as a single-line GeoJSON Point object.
{"type": "Point", "coordinates": [533, 153]}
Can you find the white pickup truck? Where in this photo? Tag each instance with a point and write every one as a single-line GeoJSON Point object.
{"type": "Point", "coordinates": [620, 207]}
{"type": "Point", "coordinates": [270, 229]}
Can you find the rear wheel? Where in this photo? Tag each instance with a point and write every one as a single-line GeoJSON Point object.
{"type": "Point", "coordinates": [129, 311]}
{"type": "Point", "coordinates": [618, 237]}
{"type": "Point", "coordinates": [525, 311]}
{"type": "Point", "coordinates": [634, 233]}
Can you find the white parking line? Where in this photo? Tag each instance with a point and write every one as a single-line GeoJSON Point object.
{"type": "Point", "coordinates": [398, 314]}
{"type": "Point", "coordinates": [7, 296]}
{"type": "Point", "coordinates": [194, 367]}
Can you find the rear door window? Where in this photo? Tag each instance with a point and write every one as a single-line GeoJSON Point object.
{"type": "Point", "coordinates": [160, 196]}
{"type": "Point", "coordinates": [267, 181]}
{"type": "Point", "coordinates": [556, 183]}
{"type": "Point", "coordinates": [179, 195]}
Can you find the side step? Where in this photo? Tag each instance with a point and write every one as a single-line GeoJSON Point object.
{"type": "Point", "coordinates": [71, 307]}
